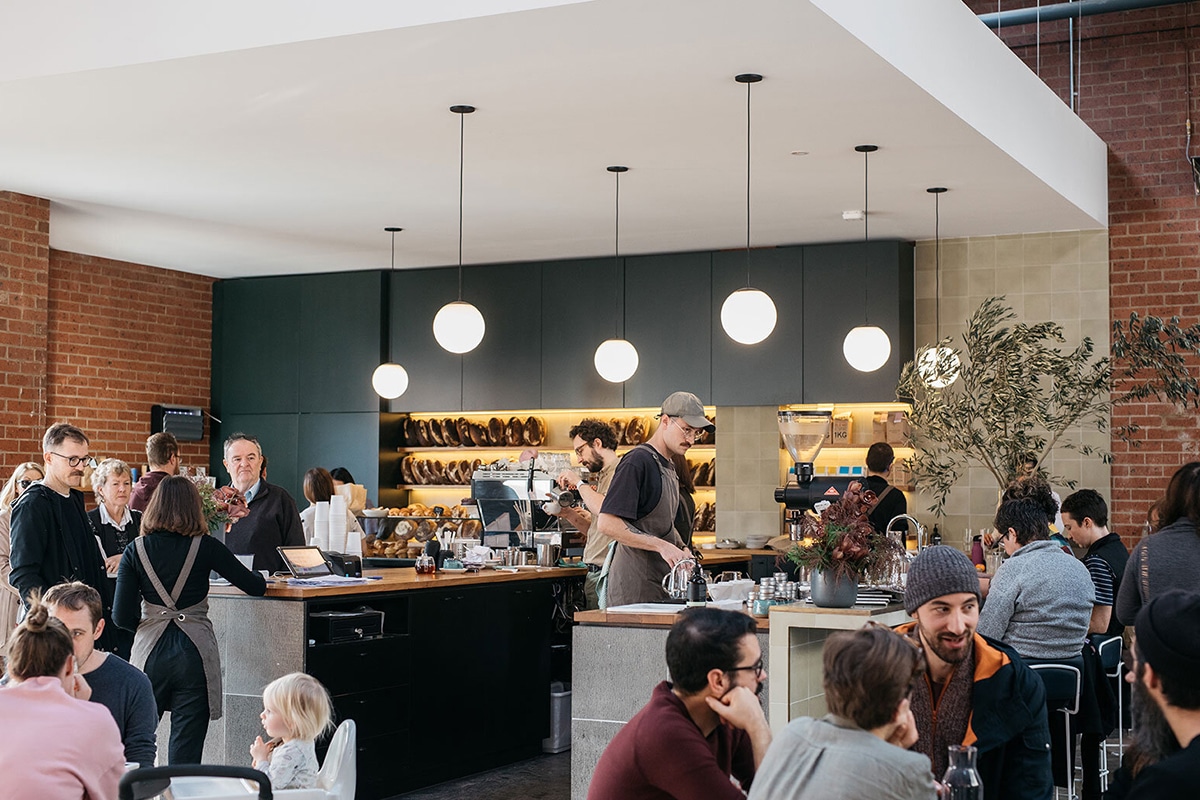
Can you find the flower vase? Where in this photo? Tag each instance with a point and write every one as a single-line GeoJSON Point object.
{"type": "Point", "coordinates": [830, 590]}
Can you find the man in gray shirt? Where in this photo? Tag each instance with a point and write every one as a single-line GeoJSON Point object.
{"type": "Point", "coordinates": [1040, 602]}
{"type": "Point", "coordinates": [116, 684]}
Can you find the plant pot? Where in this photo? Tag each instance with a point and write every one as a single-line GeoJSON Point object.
{"type": "Point", "coordinates": [831, 591]}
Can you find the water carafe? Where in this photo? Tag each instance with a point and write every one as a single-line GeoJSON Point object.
{"type": "Point", "coordinates": [961, 778]}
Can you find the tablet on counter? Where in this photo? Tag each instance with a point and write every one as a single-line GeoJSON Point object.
{"type": "Point", "coordinates": [305, 562]}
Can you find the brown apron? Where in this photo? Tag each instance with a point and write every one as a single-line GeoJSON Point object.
{"type": "Point", "coordinates": [193, 621]}
{"type": "Point", "coordinates": [635, 576]}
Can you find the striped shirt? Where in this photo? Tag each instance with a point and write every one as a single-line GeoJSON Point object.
{"type": "Point", "coordinates": [1102, 577]}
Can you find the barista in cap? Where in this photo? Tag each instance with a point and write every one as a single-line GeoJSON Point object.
{"type": "Point", "coordinates": [639, 508]}
{"type": "Point", "coordinates": [1166, 662]}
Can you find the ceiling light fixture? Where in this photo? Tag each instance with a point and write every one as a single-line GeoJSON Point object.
{"type": "Point", "coordinates": [390, 380]}
{"type": "Point", "coordinates": [938, 365]}
{"type": "Point", "coordinates": [616, 359]}
{"type": "Point", "coordinates": [748, 315]}
{"type": "Point", "coordinates": [458, 326]}
{"type": "Point", "coordinates": [866, 347]}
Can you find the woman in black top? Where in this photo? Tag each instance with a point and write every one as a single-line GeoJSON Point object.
{"type": "Point", "coordinates": [167, 567]}
{"type": "Point", "coordinates": [116, 524]}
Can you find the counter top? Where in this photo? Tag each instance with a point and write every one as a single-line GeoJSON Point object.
{"type": "Point", "coordinates": [803, 615]}
{"type": "Point", "coordinates": [619, 620]}
{"type": "Point", "coordinates": [405, 579]}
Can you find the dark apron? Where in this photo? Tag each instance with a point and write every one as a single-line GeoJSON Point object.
{"type": "Point", "coordinates": [635, 576]}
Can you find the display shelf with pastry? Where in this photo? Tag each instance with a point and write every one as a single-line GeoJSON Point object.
{"type": "Point", "coordinates": [406, 529]}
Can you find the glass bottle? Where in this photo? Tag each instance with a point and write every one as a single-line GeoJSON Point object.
{"type": "Point", "coordinates": [961, 778]}
{"type": "Point", "coordinates": [697, 588]}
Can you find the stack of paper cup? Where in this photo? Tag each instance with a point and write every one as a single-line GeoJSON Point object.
{"type": "Point", "coordinates": [354, 544]}
{"type": "Point", "coordinates": [321, 526]}
{"type": "Point", "coordinates": [337, 524]}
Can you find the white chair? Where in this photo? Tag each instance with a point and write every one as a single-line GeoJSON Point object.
{"type": "Point", "coordinates": [1063, 684]}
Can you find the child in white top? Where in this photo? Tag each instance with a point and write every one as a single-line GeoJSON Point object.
{"type": "Point", "coordinates": [296, 710]}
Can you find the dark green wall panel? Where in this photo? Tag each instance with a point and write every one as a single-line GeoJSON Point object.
{"type": "Point", "coordinates": [505, 370]}
{"type": "Point", "coordinates": [340, 440]}
{"type": "Point", "coordinates": [668, 300]}
{"type": "Point", "coordinates": [435, 376]}
{"type": "Point", "coordinates": [770, 372]}
{"type": "Point", "coordinates": [581, 303]}
{"type": "Point", "coordinates": [340, 341]}
{"type": "Point", "coordinates": [260, 346]}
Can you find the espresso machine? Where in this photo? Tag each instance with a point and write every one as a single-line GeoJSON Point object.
{"type": "Point", "coordinates": [804, 434]}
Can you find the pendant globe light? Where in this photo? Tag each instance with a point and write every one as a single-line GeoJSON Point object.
{"type": "Point", "coordinates": [458, 326]}
{"type": "Point", "coordinates": [748, 315]}
{"type": "Point", "coordinates": [866, 347]}
{"type": "Point", "coordinates": [390, 380]}
{"type": "Point", "coordinates": [616, 359]}
{"type": "Point", "coordinates": [938, 366]}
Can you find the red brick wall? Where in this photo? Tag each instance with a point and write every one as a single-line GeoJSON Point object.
{"type": "Point", "coordinates": [94, 342]}
{"type": "Point", "coordinates": [1133, 92]}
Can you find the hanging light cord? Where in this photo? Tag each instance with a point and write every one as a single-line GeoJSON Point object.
{"type": "Point", "coordinates": [617, 255]}
{"type": "Point", "coordinates": [462, 122]}
{"type": "Point", "coordinates": [937, 265]}
{"type": "Point", "coordinates": [866, 234]}
{"type": "Point", "coordinates": [748, 85]}
{"type": "Point", "coordinates": [393, 251]}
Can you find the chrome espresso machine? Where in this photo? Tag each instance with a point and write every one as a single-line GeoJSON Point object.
{"type": "Point", "coordinates": [804, 434]}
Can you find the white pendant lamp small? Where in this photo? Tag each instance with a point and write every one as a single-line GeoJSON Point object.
{"type": "Point", "coordinates": [390, 380]}
{"type": "Point", "coordinates": [938, 366]}
{"type": "Point", "coordinates": [748, 315]}
{"type": "Point", "coordinates": [866, 347]}
{"type": "Point", "coordinates": [616, 359]}
{"type": "Point", "coordinates": [458, 326]}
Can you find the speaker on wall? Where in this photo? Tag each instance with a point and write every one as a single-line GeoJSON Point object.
{"type": "Point", "coordinates": [185, 422]}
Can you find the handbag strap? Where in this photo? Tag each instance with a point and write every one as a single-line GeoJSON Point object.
{"type": "Point", "coordinates": [1145, 571]}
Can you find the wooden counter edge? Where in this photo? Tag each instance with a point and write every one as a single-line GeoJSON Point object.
{"type": "Point", "coordinates": [402, 579]}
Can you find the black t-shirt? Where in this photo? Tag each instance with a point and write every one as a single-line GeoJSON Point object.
{"type": "Point", "coordinates": [1115, 555]}
{"type": "Point", "coordinates": [888, 507]}
{"type": "Point", "coordinates": [1174, 776]}
{"type": "Point", "coordinates": [636, 485]}
{"type": "Point", "coordinates": [114, 540]}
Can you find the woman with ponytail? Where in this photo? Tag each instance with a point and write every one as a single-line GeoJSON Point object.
{"type": "Point", "coordinates": [54, 744]}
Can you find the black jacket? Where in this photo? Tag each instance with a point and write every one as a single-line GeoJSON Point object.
{"type": "Point", "coordinates": [273, 522]}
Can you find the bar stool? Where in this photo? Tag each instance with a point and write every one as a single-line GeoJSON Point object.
{"type": "Point", "coordinates": [1114, 667]}
{"type": "Point", "coordinates": [1063, 681]}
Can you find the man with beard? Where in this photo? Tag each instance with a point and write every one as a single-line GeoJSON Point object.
{"type": "Point", "coordinates": [975, 691]}
{"type": "Point", "coordinates": [700, 728]}
{"type": "Point", "coordinates": [1166, 660]}
{"type": "Point", "coordinates": [52, 538]}
{"type": "Point", "coordinates": [640, 507]}
{"type": "Point", "coordinates": [595, 445]}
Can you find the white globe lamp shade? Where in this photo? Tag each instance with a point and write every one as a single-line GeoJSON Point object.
{"type": "Point", "coordinates": [867, 348]}
{"type": "Point", "coordinates": [458, 327]}
{"type": "Point", "coordinates": [748, 316]}
{"type": "Point", "coordinates": [929, 361]}
{"type": "Point", "coordinates": [390, 381]}
{"type": "Point", "coordinates": [616, 360]}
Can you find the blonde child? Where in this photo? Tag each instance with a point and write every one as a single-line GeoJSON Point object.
{"type": "Point", "coordinates": [296, 710]}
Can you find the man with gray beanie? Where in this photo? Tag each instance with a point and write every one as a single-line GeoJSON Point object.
{"type": "Point", "coordinates": [1166, 663]}
{"type": "Point", "coordinates": [976, 691]}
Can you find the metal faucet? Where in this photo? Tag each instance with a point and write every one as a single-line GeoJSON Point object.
{"type": "Point", "coordinates": [922, 540]}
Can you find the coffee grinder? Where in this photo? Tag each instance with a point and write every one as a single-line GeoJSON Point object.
{"type": "Point", "coordinates": [804, 434]}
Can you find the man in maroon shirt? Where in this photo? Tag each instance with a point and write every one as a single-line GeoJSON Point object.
{"type": "Point", "coordinates": [162, 455]}
{"type": "Point", "coordinates": [701, 727]}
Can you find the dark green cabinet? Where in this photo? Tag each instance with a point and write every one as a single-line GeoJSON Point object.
{"type": "Point", "coordinates": [256, 355]}
{"type": "Point", "coordinates": [838, 281]}
{"type": "Point", "coordinates": [667, 319]}
{"type": "Point", "coordinates": [505, 370]}
{"type": "Point", "coordinates": [770, 372]}
{"type": "Point", "coordinates": [434, 376]}
{"type": "Point", "coordinates": [339, 341]}
{"type": "Point", "coordinates": [581, 308]}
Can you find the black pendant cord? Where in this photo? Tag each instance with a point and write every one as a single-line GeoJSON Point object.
{"type": "Point", "coordinates": [866, 151]}
{"type": "Point", "coordinates": [937, 266]}
{"type": "Point", "coordinates": [748, 85]}
{"type": "Point", "coordinates": [617, 256]}
{"type": "Point", "coordinates": [462, 123]}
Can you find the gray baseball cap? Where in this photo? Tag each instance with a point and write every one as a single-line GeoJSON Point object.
{"type": "Point", "coordinates": [687, 407]}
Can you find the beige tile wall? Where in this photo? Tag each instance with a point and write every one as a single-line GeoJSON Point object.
{"type": "Point", "coordinates": [1049, 276]}
{"type": "Point", "coordinates": [748, 448]}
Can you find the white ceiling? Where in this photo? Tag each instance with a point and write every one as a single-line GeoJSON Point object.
{"type": "Point", "coordinates": [281, 136]}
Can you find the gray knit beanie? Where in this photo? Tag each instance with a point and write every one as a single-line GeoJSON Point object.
{"type": "Point", "coordinates": [937, 571]}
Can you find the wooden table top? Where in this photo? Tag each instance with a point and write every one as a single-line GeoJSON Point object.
{"type": "Point", "coordinates": [619, 620]}
{"type": "Point", "coordinates": [405, 579]}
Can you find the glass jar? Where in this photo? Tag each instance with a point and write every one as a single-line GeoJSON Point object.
{"type": "Point", "coordinates": [961, 778]}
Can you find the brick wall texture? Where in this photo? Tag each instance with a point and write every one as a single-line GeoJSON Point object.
{"type": "Point", "coordinates": [94, 342]}
{"type": "Point", "coordinates": [1137, 75]}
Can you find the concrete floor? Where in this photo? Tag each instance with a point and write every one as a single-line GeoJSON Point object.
{"type": "Point", "coordinates": [546, 777]}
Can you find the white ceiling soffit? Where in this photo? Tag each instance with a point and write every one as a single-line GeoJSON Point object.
{"type": "Point", "coordinates": [292, 157]}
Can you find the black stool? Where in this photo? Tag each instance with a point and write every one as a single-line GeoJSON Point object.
{"type": "Point", "coordinates": [1064, 682]}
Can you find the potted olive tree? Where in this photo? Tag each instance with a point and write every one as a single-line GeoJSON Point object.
{"type": "Point", "coordinates": [1012, 391]}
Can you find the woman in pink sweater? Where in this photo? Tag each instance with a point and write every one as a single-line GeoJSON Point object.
{"type": "Point", "coordinates": [54, 745]}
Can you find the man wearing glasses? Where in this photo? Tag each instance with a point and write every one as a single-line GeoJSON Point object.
{"type": "Point", "coordinates": [52, 538]}
{"type": "Point", "coordinates": [700, 728]}
{"type": "Point", "coordinates": [639, 509]}
{"type": "Point", "coordinates": [595, 444]}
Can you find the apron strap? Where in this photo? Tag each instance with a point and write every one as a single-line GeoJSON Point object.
{"type": "Point", "coordinates": [186, 571]}
{"type": "Point", "coordinates": [169, 600]}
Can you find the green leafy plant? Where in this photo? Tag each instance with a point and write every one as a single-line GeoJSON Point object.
{"type": "Point", "coordinates": [1018, 392]}
{"type": "Point", "coordinates": [842, 541]}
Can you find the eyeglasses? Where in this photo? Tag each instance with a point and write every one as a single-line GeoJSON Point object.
{"type": "Point", "coordinates": [25, 483]}
{"type": "Point", "coordinates": [579, 450]}
{"type": "Point", "coordinates": [757, 666]}
{"type": "Point", "coordinates": [689, 433]}
{"type": "Point", "coordinates": [75, 461]}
